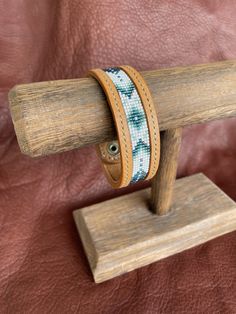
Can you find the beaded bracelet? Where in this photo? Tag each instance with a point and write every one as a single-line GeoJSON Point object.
{"type": "Point", "coordinates": [136, 155]}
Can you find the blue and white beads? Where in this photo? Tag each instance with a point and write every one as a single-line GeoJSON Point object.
{"type": "Point", "coordinates": [137, 122]}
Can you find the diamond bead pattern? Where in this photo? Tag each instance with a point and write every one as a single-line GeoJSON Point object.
{"type": "Point", "coordinates": [137, 122]}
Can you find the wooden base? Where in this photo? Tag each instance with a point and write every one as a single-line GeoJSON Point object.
{"type": "Point", "coordinates": [121, 234]}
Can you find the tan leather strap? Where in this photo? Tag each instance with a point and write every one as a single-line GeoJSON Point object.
{"type": "Point", "coordinates": [151, 116]}
{"type": "Point", "coordinates": [118, 170]}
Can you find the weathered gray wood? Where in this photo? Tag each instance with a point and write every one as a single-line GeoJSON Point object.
{"type": "Point", "coordinates": [51, 117]}
{"type": "Point", "coordinates": [163, 182]}
{"type": "Point", "coordinates": [121, 234]}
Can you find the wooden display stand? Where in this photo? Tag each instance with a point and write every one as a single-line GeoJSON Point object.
{"type": "Point", "coordinates": [131, 231]}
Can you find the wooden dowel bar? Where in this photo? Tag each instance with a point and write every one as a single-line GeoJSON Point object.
{"type": "Point", "coordinates": [51, 117]}
{"type": "Point", "coordinates": [163, 182]}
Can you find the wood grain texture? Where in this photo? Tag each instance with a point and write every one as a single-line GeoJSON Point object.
{"type": "Point", "coordinates": [121, 234]}
{"type": "Point", "coordinates": [56, 116]}
{"type": "Point", "coordinates": [163, 182]}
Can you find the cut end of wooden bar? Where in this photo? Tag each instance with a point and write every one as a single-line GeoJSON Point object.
{"type": "Point", "coordinates": [122, 234]}
{"type": "Point", "coordinates": [19, 122]}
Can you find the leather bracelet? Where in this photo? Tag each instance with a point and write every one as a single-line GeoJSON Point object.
{"type": "Point", "coordinates": [136, 157]}
{"type": "Point", "coordinates": [118, 170]}
{"type": "Point", "coordinates": [151, 116]}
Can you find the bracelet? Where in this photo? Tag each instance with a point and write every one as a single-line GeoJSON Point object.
{"type": "Point", "coordinates": [135, 156]}
{"type": "Point", "coordinates": [118, 171]}
{"type": "Point", "coordinates": [151, 116]}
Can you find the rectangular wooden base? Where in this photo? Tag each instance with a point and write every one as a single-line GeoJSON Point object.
{"type": "Point", "coordinates": [121, 234]}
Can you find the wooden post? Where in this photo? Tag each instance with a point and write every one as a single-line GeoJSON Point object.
{"type": "Point", "coordinates": [163, 182]}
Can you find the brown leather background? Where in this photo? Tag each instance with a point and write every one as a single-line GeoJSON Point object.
{"type": "Point", "coordinates": [42, 265]}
